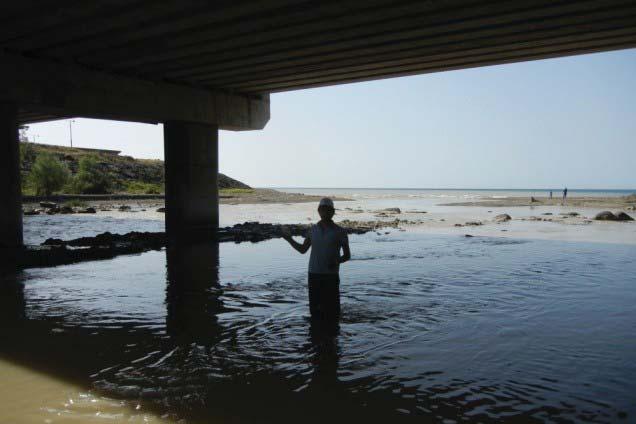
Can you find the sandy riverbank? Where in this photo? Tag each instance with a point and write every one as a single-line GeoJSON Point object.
{"type": "Point", "coordinates": [623, 202]}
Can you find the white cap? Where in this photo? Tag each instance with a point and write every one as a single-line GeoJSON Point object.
{"type": "Point", "coordinates": [325, 201]}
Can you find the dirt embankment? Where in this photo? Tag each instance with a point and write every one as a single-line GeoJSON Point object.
{"type": "Point", "coordinates": [124, 171]}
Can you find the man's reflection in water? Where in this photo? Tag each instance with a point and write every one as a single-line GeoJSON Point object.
{"type": "Point", "coordinates": [326, 394]}
{"type": "Point", "coordinates": [323, 334]}
{"type": "Point", "coordinates": [192, 292]}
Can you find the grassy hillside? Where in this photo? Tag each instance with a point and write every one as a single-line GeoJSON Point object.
{"type": "Point", "coordinates": [127, 174]}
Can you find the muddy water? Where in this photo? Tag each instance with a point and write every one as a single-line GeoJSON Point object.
{"type": "Point", "coordinates": [433, 328]}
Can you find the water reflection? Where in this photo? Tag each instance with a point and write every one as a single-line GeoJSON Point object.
{"type": "Point", "coordinates": [12, 301]}
{"type": "Point", "coordinates": [193, 293]}
{"type": "Point", "coordinates": [323, 336]}
{"type": "Point", "coordinates": [445, 329]}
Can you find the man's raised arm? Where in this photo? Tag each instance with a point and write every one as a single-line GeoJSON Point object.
{"type": "Point", "coordinates": [302, 248]}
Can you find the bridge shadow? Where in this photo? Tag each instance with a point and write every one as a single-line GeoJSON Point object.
{"type": "Point", "coordinates": [199, 372]}
{"type": "Point", "coordinates": [76, 351]}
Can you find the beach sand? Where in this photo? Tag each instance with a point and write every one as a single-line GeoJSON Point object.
{"type": "Point", "coordinates": [623, 202]}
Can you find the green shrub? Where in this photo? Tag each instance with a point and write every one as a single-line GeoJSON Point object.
{"type": "Point", "coordinates": [90, 179]}
{"type": "Point", "coordinates": [141, 187]}
{"type": "Point", "coordinates": [236, 190]}
{"type": "Point", "coordinates": [48, 175]}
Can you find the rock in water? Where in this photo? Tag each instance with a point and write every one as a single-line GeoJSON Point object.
{"type": "Point", "coordinates": [606, 216]}
{"type": "Point", "coordinates": [622, 216]}
{"type": "Point", "coordinates": [48, 205]}
{"type": "Point", "coordinates": [31, 212]}
{"type": "Point", "coordinates": [502, 218]}
{"type": "Point", "coordinates": [161, 210]}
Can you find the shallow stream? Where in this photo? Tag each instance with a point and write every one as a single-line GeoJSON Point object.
{"type": "Point", "coordinates": [442, 327]}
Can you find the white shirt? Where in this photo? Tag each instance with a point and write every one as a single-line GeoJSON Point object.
{"type": "Point", "coordinates": [326, 242]}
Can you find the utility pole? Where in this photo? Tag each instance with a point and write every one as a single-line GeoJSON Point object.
{"type": "Point", "coordinates": [70, 129]}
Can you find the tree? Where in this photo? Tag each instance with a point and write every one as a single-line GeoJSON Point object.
{"type": "Point", "coordinates": [48, 175]}
{"type": "Point", "coordinates": [90, 179]}
{"type": "Point", "coordinates": [27, 154]}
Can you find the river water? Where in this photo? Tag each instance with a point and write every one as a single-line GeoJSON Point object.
{"type": "Point", "coordinates": [434, 327]}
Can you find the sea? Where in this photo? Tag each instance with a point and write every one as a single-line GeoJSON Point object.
{"type": "Point", "coordinates": [435, 327]}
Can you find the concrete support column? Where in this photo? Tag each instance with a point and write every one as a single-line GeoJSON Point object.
{"type": "Point", "coordinates": [191, 173]}
{"type": "Point", "coordinates": [10, 188]}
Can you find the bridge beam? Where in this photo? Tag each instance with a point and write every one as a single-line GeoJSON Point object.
{"type": "Point", "coordinates": [44, 88]}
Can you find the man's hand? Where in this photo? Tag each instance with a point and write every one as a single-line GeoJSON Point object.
{"type": "Point", "coordinates": [284, 232]}
{"type": "Point", "coordinates": [286, 235]}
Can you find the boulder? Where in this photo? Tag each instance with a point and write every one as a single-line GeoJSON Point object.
{"type": "Point", "coordinates": [622, 216]}
{"type": "Point", "coordinates": [48, 205]}
{"type": "Point", "coordinates": [123, 208]}
{"type": "Point", "coordinates": [161, 210]}
{"type": "Point", "coordinates": [504, 217]}
{"type": "Point", "coordinates": [606, 216]}
{"type": "Point", "coordinates": [87, 210]}
{"type": "Point", "coordinates": [29, 212]}
{"type": "Point", "coordinates": [390, 210]}
{"type": "Point", "coordinates": [473, 223]}
{"type": "Point", "coordinates": [66, 210]}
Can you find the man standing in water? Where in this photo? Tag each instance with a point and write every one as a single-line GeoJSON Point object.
{"type": "Point", "coordinates": [325, 239]}
{"type": "Point", "coordinates": [565, 195]}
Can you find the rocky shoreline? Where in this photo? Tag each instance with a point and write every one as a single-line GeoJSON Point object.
{"type": "Point", "coordinates": [64, 204]}
{"type": "Point", "coordinates": [54, 252]}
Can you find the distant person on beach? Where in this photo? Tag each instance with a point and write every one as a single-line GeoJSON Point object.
{"type": "Point", "coordinates": [326, 240]}
{"type": "Point", "coordinates": [565, 195]}
{"type": "Point", "coordinates": [550, 194]}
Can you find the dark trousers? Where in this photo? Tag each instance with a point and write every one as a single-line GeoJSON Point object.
{"type": "Point", "coordinates": [324, 296]}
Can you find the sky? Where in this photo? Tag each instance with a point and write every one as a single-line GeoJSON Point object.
{"type": "Point", "coordinates": [542, 124]}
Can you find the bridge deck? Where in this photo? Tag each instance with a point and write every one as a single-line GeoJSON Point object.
{"type": "Point", "coordinates": [279, 45]}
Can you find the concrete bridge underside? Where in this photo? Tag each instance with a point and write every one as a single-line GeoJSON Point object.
{"type": "Point", "coordinates": [199, 66]}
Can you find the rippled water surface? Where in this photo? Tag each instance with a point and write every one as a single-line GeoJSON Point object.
{"type": "Point", "coordinates": [439, 327]}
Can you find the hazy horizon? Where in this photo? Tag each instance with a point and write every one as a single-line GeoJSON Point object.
{"type": "Point", "coordinates": [566, 122]}
{"type": "Point", "coordinates": [546, 189]}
